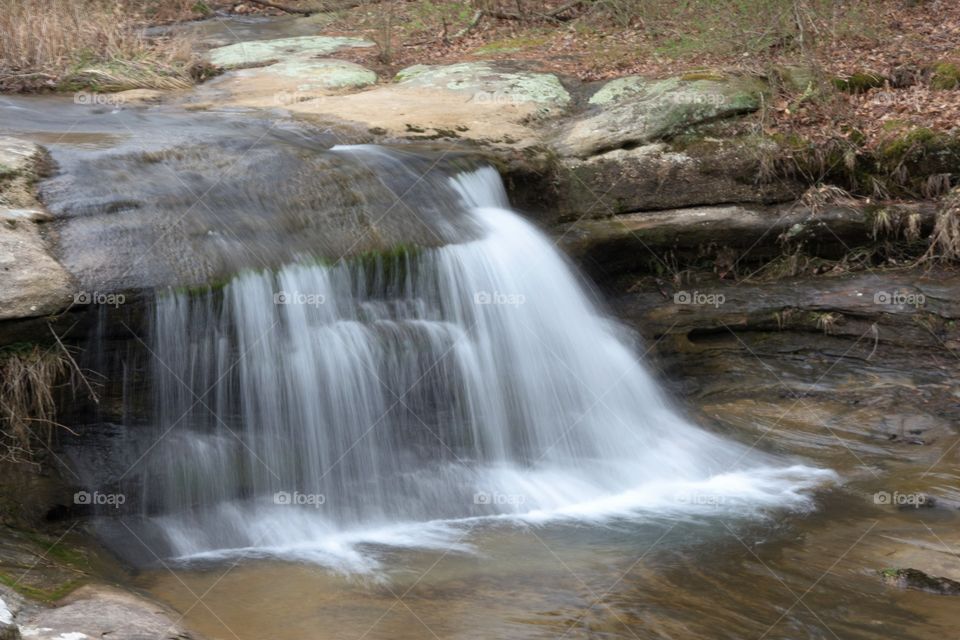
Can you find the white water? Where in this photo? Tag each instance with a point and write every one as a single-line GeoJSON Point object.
{"type": "Point", "coordinates": [408, 399]}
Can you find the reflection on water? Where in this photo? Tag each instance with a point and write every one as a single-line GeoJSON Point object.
{"type": "Point", "coordinates": [798, 577]}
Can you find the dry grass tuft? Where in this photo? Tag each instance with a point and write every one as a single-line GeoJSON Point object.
{"type": "Point", "coordinates": [28, 377]}
{"type": "Point", "coordinates": [74, 44]}
{"type": "Point", "coordinates": [945, 239]}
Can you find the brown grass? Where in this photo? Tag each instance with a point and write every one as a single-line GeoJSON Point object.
{"type": "Point", "coordinates": [97, 44]}
{"type": "Point", "coordinates": [945, 239]}
{"type": "Point", "coordinates": [28, 377]}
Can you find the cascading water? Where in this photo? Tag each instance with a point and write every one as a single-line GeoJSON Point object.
{"type": "Point", "coordinates": [317, 410]}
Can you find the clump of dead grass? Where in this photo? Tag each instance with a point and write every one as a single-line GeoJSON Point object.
{"type": "Point", "coordinates": [28, 377]}
{"type": "Point", "coordinates": [77, 44]}
{"type": "Point", "coordinates": [945, 239]}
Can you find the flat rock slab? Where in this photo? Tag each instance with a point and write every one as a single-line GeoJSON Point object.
{"type": "Point", "coordinates": [288, 82]}
{"type": "Point", "coordinates": [486, 84]}
{"type": "Point", "coordinates": [261, 52]}
{"type": "Point", "coordinates": [480, 102]}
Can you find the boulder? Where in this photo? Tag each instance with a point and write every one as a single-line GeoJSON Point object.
{"type": "Point", "coordinates": [632, 111]}
{"type": "Point", "coordinates": [32, 282]}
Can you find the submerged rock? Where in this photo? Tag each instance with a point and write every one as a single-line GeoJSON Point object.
{"type": "Point", "coordinates": [916, 579]}
{"type": "Point", "coordinates": [260, 52]}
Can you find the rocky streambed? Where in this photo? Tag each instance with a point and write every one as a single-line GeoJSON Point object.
{"type": "Point", "coordinates": [773, 313]}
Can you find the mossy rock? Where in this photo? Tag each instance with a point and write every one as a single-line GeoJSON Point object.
{"type": "Point", "coordinates": [945, 76]}
{"type": "Point", "coordinates": [860, 82]}
{"type": "Point", "coordinates": [916, 579]}
{"type": "Point", "coordinates": [634, 111]}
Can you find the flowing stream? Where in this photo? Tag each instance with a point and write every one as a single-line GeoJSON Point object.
{"type": "Point", "coordinates": [328, 412]}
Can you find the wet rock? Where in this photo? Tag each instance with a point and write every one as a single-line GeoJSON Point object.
{"type": "Point", "coordinates": [11, 604]}
{"type": "Point", "coordinates": [636, 111]}
{"type": "Point", "coordinates": [101, 612]}
{"type": "Point", "coordinates": [750, 234]}
{"type": "Point", "coordinates": [138, 97]}
{"type": "Point", "coordinates": [915, 579]}
{"type": "Point", "coordinates": [666, 176]}
{"type": "Point", "coordinates": [260, 52]}
{"type": "Point", "coordinates": [908, 310]}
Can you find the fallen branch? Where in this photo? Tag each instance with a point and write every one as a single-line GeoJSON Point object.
{"type": "Point", "coordinates": [570, 5]}
{"type": "Point", "coordinates": [280, 7]}
{"type": "Point", "coordinates": [76, 367]}
{"type": "Point", "coordinates": [474, 21]}
{"type": "Point", "coordinates": [323, 8]}
{"type": "Point", "coordinates": [553, 14]}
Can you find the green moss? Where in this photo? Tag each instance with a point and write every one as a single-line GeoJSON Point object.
{"type": "Point", "coordinates": [915, 140]}
{"type": "Point", "coordinates": [44, 595]}
{"type": "Point", "coordinates": [946, 75]}
{"type": "Point", "coordinates": [202, 8]}
{"type": "Point", "coordinates": [704, 75]}
{"type": "Point", "coordinates": [859, 82]}
{"type": "Point", "coordinates": [59, 551]}
{"type": "Point", "coordinates": [512, 45]}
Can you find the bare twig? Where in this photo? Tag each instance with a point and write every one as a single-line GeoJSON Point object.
{"type": "Point", "coordinates": [280, 7]}
{"type": "Point", "coordinates": [474, 21]}
{"type": "Point", "coordinates": [76, 367]}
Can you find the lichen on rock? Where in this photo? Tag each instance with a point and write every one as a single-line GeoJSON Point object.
{"type": "Point", "coordinates": [260, 52]}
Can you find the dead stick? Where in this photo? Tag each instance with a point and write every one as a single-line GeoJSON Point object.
{"type": "Point", "coordinates": [280, 7]}
{"type": "Point", "coordinates": [93, 394]}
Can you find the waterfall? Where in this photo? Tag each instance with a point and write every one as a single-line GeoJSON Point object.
{"type": "Point", "coordinates": [321, 411]}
